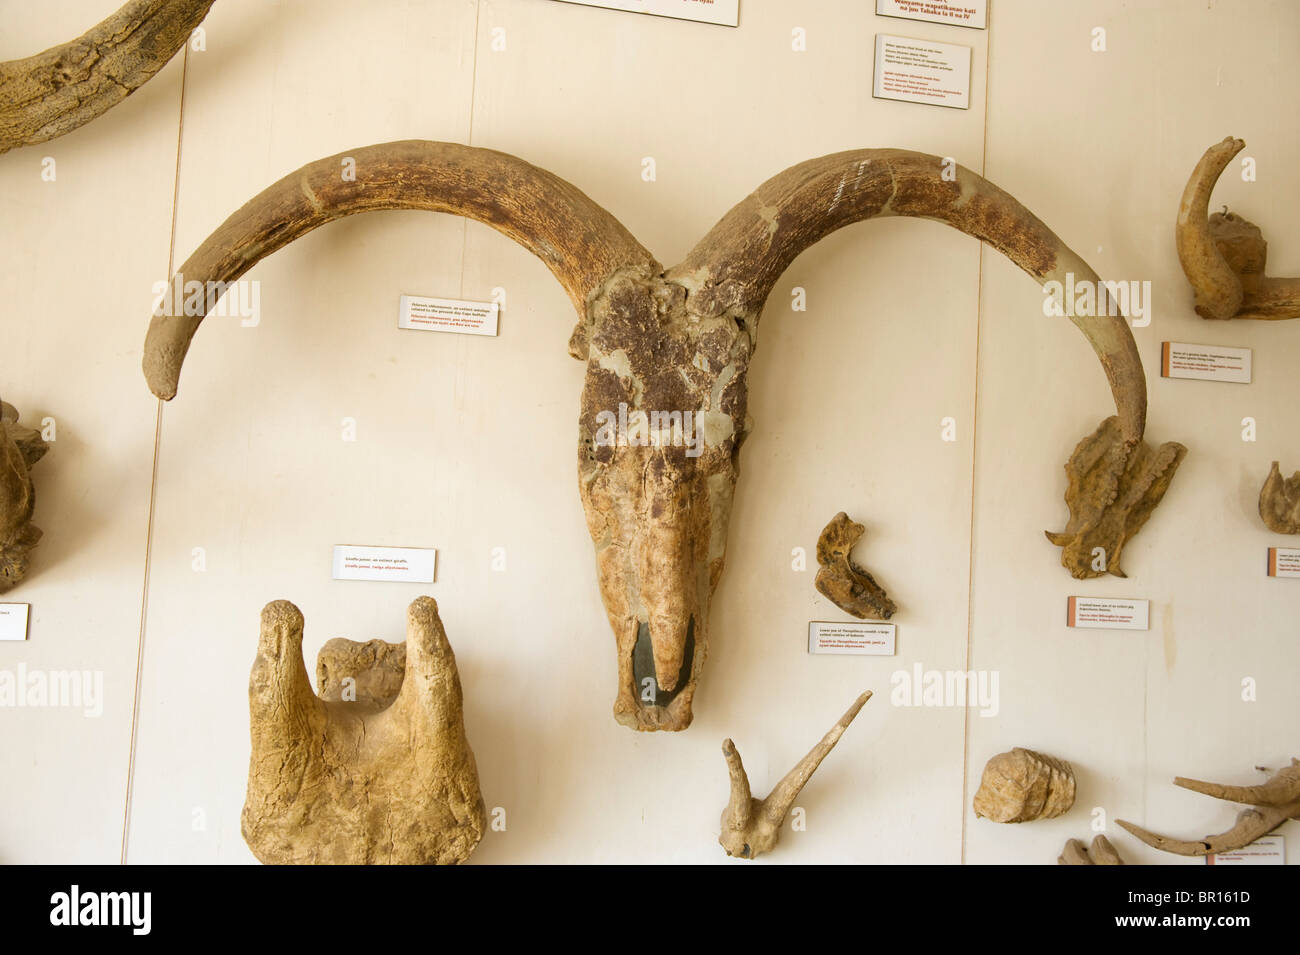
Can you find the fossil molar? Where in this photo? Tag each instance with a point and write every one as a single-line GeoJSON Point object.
{"type": "Point", "coordinates": [667, 351]}
{"type": "Point", "coordinates": [1021, 785]}
{"type": "Point", "coordinates": [1273, 802]}
{"type": "Point", "coordinates": [372, 771]}
{"type": "Point", "coordinates": [1279, 502]}
{"type": "Point", "coordinates": [750, 826]}
{"type": "Point", "coordinates": [1101, 853]}
{"type": "Point", "coordinates": [1114, 485]}
{"type": "Point", "coordinates": [20, 448]}
{"type": "Point", "coordinates": [67, 86]}
{"type": "Point", "coordinates": [1223, 255]}
{"type": "Point", "coordinates": [840, 579]}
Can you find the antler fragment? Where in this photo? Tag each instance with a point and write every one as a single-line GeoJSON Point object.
{"type": "Point", "coordinates": [750, 826]}
{"type": "Point", "coordinates": [55, 92]}
{"type": "Point", "coordinates": [1279, 502]}
{"type": "Point", "coordinates": [1223, 255]}
{"type": "Point", "coordinates": [1274, 803]}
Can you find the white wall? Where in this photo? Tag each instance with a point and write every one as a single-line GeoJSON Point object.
{"type": "Point", "coordinates": [466, 444]}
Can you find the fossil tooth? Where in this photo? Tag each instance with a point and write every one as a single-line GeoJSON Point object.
{"type": "Point", "coordinates": [1022, 785]}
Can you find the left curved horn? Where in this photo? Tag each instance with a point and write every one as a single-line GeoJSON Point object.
{"type": "Point", "coordinates": [55, 92]}
{"type": "Point", "coordinates": [736, 265]}
{"type": "Point", "coordinates": [579, 241]}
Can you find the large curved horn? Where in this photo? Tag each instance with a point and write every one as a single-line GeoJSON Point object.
{"type": "Point", "coordinates": [55, 92]}
{"type": "Point", "coordinates": [1250, 825]}
{"type": "Point", "coordinates": [579, 241]}
{"type": "Point", "coordinates": [736, 265]}
{"type": "Point", "coordinates": [1224, 255]}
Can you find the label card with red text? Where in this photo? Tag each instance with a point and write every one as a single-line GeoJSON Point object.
{"type": "Point", "coordinates": [1266, 850]}
{"type": "Point", "coordinates": [855, 639]}
{"type": "Point", "coordinates": [1107, 613]}
{"type": "Point", "coordinates": [402, 564]}
{"type": "Point", "coordinates": [1205, 362]}
{"type": "Point", "coordinates": [1284, 561]}
{"type": "Point", "coordinates": [960, 13]}
{"type": "Point", "coordinates": [448, 315]}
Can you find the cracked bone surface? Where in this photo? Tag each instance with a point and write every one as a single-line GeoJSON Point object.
{"type": "Point", "coordinates": [1113, 486]}
{"type": "Point", "coordinates": [1021, 786]}
{"type": "Point", "coordinates": [1279, 502]}
{"type": "Point", "coordinates": [667, 352]}
{"type": "Point", "coordinates": [55, 92]}
{"type": "Point", "coordinates": [1101, 853]}
{"type": "Point", "coordinates": [751, 826]}
{"type": "Point", "coordinates": [373, 771]}
{"type": "Point", "coordinates": [20, 448]}
{"type": "Point", "coordinates": [1223, 255]}
{"type": "Point", "coordinates": [1272, 803]}
{"type": "Point", "coordinates": [841, 580]}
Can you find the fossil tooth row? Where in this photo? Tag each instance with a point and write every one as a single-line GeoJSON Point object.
{"type": "Point", "coordinates": [1022, 785]}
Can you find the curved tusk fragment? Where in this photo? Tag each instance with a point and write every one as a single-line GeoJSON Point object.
{"type": "Point", "coordinates": [52, 93]}
{"type": "Point", "coordinates": [1281, 790]}
{"type": "Point", "coordinates": [1250, 825]}
{"type": "Point", "coordinates": [579, 241]}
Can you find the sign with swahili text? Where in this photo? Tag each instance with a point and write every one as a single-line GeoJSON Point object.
{"type": "Point", "coordinates": [860, 639]}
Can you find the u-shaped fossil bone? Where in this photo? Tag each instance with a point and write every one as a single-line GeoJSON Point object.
{"type": "Point", "coordinates": [1273, 803]}
{"type": "Point", "coordinates": [1223, 255]}
{"type": "Point", "coordinates": [668, 353]}
{"type": "Point", "coordinates": [55, 92]}
{"type": "Point", "coordinates": [752, 826]}
{"type": "Point", "coordinates": [1101, 852]}
{"type": "Point", "coordinates": [20, 448]}
{"type": "Point", "coordinates": [380, 775]}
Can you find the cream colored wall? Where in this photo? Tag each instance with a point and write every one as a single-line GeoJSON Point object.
{"type": "Point", "coordinates": [467, 444]}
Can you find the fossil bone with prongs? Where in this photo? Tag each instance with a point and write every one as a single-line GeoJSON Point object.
{"type": "Point", "coordinates": [1272, 802]}
{"type": "Point", "coordinates": [752, 826]}
{"type": "Point", "coordinates": [1101, 853]}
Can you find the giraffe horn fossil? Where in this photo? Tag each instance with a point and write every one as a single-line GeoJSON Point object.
{"type": "Point", "coordinates": [52, 93]}
{"type": "Point", "coordinates": [1224, 255]}
{"type": "Point", "coordinates": [750, 826]}
{"type": "Point", "coordinates": [1273, 803]}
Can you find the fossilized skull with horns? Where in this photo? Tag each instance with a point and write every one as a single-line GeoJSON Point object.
{"type": "Point", "coordinates": [668, 350]}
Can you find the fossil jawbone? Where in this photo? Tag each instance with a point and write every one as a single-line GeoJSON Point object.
{"type": "Point", "coordinates": [1114, 485]}
{"type": "Point", "coordinates": [20, 448]}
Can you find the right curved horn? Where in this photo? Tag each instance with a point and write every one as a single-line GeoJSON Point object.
{"type": "Point", "coordinates": [55, 92]}
{"type": "Point", "coordinates": [579, 241]}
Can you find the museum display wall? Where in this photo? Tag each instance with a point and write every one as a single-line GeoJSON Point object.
{"type": "Point", "coordinates": [922, 391]}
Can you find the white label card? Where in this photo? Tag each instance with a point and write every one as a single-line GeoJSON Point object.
{"type": "Point", "coordinates": [1266, 850]}
{"type": "Point", "coordinates": [962, 13]}
{"type": "Point", "coordinates": [856, 639]}
{"type": "Point", "coordinates": [401, 564]}
{"type": "Point", "coordinates": [922, 71]}
{"type": "Point", "coordinates": [1205, 362]}
{"type": "Point", "coordinates": [723, 12]}
{"type": "Point", "coordinates": [1284, 561]}
{"type": "Point", "coordinates": [13, 621]}
{"type": "Point", "coordinates": [1108, 613]}
{"type": "Point", "coordinates": [448, 315]}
